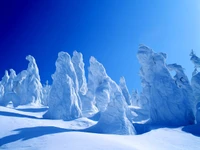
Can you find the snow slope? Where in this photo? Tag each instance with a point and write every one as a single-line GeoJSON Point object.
{"type": "Point", "coordinates": [23, 128]}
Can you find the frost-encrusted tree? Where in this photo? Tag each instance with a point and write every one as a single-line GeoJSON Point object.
{"type": "Point", "coordinates": [195, 82]}
{"type": "Point", "coordinates": [114, 120]}
{"type": "Point", "coordinates": [77, 60]}
{"type": "Point", "coordinates": [135, 98]}
{"type": "Point", "coordinates": [8, 90]}
{"type": "Point", "coordinates": [63, 99]}
{"type": "Point", "coordinates": [45, 91]}
{"type": "Point", "coordinates": [195, 59]}
{"type": "Point", "coordinates": [1, 92]}
{"type": "Point", "coordinates": [122, 85]}
{"type": "Point", "coordinates": [97, 80]}
{"type": "Point", "coordinates": [27, 84]}
{"type": "Point", "coordinates": [4, 81]}
{"type": "Point", "coordinates": [169, 104]}
{"type": "Point", "coordinates": [88, 107]}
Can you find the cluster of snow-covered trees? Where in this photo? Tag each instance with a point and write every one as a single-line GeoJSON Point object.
{"type": "Point", "coordinates": [165, 100]}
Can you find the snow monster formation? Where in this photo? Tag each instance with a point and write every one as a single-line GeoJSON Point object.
{"type": "Point", "coordinates": [195, 82]}
{"type": "Point", "coordinates": [88, 107]}
{"type": "Point", "coordinates": [27, 84]}
{"type": "Point", "coordinates": [63, 99]}
{"type": "Point", "coordinates": [110, 102]}
{"type": "Point", "coordinates": [168, 99]}
{"type": "Point", "coordinates": [7, 92]}
{"type": "Point", "coordinates": [77, 60]}
{"type": "Point", "coordinates": [122, 85]}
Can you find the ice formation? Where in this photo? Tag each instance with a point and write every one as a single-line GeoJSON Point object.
{"type": "Point", "coordinates": [63, 99]}
{"type": "Point", "coordinates": [168, 98]}
{"type": "Point", "coordinates": [122, 84]}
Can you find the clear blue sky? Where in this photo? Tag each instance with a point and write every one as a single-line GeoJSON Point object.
{"type": "Point", "coordinates": [110, 30]}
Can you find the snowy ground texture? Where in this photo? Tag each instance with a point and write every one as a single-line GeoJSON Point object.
{"type": "Point", "coordinates": [24, 129]}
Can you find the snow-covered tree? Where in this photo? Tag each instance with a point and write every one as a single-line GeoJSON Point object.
{"type": "Point", "coordinates": [195, 82]}
{"type": "Point", "coordinates": [7, 90]}
{"type": "Point", "coordinates": [135, 98]}
{"type": "Point", "coordinates": [63, 99]}
{"type": "Point", "coordinates": [122, 85]}
{"type": "Point", "coordinates": [77, 60]}
{"type": "Point", "coordinates": [114, 120]}
{"type": "Point", "coordinates": [169, 104]}
{"type": "Point", "coordinates": [45, 92]}
{"type": "Point", "coordinates": [195, 59]}
{"type": "Point", "coordinates": [27, 84]}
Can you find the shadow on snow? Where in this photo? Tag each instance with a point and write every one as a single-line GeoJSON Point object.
{"type": "Point", "coordinates": [193, 129]}
{"type": "Point", "coordinates": [30, 133]}
{"type": "Point", "coordinates": [12, 114]}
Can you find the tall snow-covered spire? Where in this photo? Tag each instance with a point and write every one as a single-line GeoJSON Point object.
{"type": "Point", "coordinates": [195, 59]}
{"type": "Point", "coordinates": [97, 77]}
{"type": "Point", "coordinates": [122, 85]}
{"type": "Point", "coordinates": [77, 60]}
{"type": "Point", "coordinates": [32, 67]}
{"type": "Point", "coordinates": [113, 119]}
{"type": "Point", "coordinates": [195, 83]}
{"type": "Point", "coordinates": [168, 103]}
{"type": "Point", "coordinates": [63, 97]}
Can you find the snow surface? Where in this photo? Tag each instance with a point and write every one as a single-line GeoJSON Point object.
{"type": "Point", "coordinates": [24, 129]}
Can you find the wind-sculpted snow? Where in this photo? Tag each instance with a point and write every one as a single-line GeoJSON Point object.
{"type": "Point", "coordinates": [122, 85]}
{"type": "Point", "coordinates": [1, 91]}
{"type": "Point", "coordinates": [165, 100]}
{"type": "Point", "coordinates": [198, 113]}
{"type": "Point", "coordinates": [195, 59]}
{"type": "Point", "coordinates": [24, 88]}
{"type": "Point", "coordinates": [77, 60]}
{"type": "Point", "coordinates": [63, 99]}
{"type": "Point", "coordinates": [45, 91]}
{"type": "Point", "coordinates": [135, 98]}
{"type": "Point", "coordinates": [32, 67]}
{"type": "Point", "coordinates": [97, 80]}
{"type": "Point", "coordinates": [169, 99]}
{"type": "Point", "coordinates": [4, 81]}
{"type": "Point", "coordinates": [27, 83]}
{"type": "Point", "coordinates": [195, 82]}
{"type": "Point", "coordinates": [113, 119]}
{"type": "Point", "coordinates": [6, 92]}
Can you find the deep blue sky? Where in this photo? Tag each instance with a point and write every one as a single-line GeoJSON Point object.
{"type": "Point", "coordinates": [110, 30]}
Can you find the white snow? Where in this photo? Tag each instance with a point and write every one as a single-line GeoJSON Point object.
{"type": "Point", "coordinates": [24, 129]}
